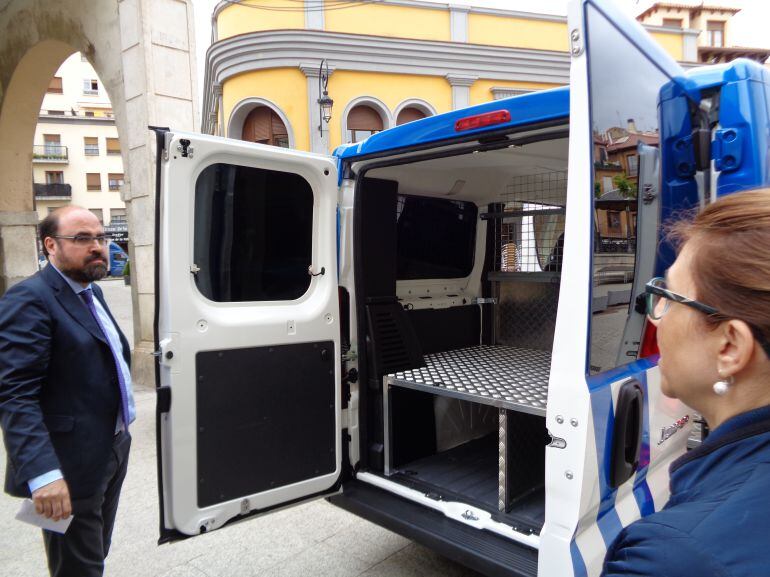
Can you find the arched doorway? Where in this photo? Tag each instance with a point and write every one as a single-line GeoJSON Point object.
{"type": "Point", "coordinates": [264, 126]}
{"type": "Point", "coordinates": [409, 114]}
{"type": "Point", "coordinates": [362, 122]}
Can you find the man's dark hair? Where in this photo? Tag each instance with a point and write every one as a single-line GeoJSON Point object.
{"type": "Point", "coordinates": [49, 226]}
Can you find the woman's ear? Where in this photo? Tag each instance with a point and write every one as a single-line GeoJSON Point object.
{"type": "Point", "coordinates": [736, 347]}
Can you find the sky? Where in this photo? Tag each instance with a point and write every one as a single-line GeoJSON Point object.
{"type": "Point", "coordinates": [748, 27]}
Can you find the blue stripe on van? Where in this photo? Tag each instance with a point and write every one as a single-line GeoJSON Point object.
{"type": "Point", "coordinates": [604, 422]}
{"type": "Point", "coordinates": [578, 565]}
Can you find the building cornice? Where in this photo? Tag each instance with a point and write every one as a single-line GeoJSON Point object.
{"type": "Point", "coordinates": [290, 48]}
{"type": "Point", "coordinates": [67, 119]}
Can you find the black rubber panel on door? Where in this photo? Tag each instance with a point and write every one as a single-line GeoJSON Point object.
{"type": "Point", "coordinates": [265, 418]}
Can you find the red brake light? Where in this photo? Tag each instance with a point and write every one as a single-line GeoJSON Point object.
{"type": "Point", "coordinates": [479, 120]}
{"type": "Point", "coordinates": [649, 345]}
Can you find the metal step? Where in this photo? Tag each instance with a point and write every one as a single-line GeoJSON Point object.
{"type": "Point", "coordinates": [479, 550]}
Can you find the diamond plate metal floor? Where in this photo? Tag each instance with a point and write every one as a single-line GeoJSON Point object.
{"type": "Point", "coordinates": [501, 376]}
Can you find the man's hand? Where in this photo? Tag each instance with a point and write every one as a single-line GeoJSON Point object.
{"type": "Point", "coordinates": [53, 500]}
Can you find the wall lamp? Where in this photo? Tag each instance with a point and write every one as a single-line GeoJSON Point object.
{"type": "Point", "coordinates": [324, 102]}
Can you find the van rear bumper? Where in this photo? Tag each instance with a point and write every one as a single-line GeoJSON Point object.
{"type": "Point", "coordinates": [482, 551]}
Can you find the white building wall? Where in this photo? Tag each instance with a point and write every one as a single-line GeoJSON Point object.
{"type": "Point", "coordinates": [85, 115]}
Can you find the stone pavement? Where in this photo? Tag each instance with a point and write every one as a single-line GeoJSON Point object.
{"type": "Point", "coordinates": [315, 539]}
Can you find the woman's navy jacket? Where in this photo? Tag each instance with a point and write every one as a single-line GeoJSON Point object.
{"type": "Point", "coordinates": [717, 521]}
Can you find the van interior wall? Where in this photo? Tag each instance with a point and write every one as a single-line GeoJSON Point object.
{"type": "Point", "coordinates": [430, 434]}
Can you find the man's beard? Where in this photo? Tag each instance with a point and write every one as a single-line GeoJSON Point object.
{"type": "Point", "coordinates": [89, 273]}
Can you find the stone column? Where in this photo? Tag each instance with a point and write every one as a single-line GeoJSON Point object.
{"type": "Point", "coordinates": [319, 138]}
{"type": "Point", "coordinates": [158, 65]}
{"type": "Point", "coordinates": [461, 89]}
{"type": "Point", "coordinates": [18, 248]}
{"type": "Point", "coordinates": [458, 18]}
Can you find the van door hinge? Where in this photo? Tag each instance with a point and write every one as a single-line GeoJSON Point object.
{"type": "Point", "coordinates": [727, 149]}
{"type": "Point", "coordinates": [194, 268]}
{"type": "Point", "coordinates": [185, 148]}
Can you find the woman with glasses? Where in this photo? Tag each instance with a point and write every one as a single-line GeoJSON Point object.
{"type": "Point", "coordinates": [712, 314]}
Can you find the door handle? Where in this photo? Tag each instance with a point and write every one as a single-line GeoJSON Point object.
{"type": "Point", "coordinates": [627, 433]}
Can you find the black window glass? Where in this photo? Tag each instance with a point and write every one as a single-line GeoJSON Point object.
{"type": "Point", "coordinates": [436, 237]}
{"type": "Point", "coordinates": [253, 234]}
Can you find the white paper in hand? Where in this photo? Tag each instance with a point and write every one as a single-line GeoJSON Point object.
{"type": "Point", "coordinates": [27, 514]}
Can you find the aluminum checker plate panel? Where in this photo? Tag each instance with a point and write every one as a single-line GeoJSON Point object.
{"type": "Point", "coordinates": [506, 377]}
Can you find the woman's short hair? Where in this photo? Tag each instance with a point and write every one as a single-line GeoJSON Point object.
{"type": "Point", "coordinates": [731, 260]}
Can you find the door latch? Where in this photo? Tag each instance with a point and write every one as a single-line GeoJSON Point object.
{"type": "Point", "coordinates": [185, 148]}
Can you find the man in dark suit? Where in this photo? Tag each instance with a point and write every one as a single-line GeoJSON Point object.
{"type": "Point", "coordinates": [65, 393]}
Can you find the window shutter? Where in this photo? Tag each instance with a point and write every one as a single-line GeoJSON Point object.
{"type": "Point", "coordinates": [409, 114]}
{"type": "Point", "coordinates": [364, 117]}
{"type": "Point", "coordinates": [93, 181]}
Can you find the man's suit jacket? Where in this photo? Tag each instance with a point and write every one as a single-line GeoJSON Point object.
{"type": "Point", "coordinates": [59, 392]}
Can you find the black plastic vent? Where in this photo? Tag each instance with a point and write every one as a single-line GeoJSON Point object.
{"type": "Point", "coordinates": [393, 340]}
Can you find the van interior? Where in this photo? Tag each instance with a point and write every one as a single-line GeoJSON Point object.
{"type": "Point", "coordinates": [458, 259]}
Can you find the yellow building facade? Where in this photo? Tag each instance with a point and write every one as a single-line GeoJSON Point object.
{"type": "Point", "coordinates": [388, 62]}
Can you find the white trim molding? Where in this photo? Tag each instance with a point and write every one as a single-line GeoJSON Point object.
{"type": "Point", "coordinates": [242, 110]}
{"type": "Point", "coordinates": [500, 92]}
{"type": "Point", "coordinates": [314, 14]}
{"type": "Point", "coordinates": [418, 103]}
{"type": "Point", "coordinates": [458, 22]}
{"type": "Point", "coordinates": [461, 89]}
{"type": "Point", "coordinates": [354, 52]}
{"type": "Point", "coordinates": [388, 120]}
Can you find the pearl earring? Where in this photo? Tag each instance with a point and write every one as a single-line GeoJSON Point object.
{"type": "Point", "coordinates": [721, 387]}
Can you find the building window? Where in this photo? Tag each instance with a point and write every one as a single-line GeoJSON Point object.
{"type": "Point", "coordinates": [91, 145]}
{"type": "Point", "coordinates": [93, 181]}
{"type": "Point", "coordinates": [242, 244]}
{"type": "Point", "coordinates": [90, 86]}
{"type": "Point", "coordinates": [118, 216]}
{"type": "Point", "coordinates": [52, 144]}
{"type": "Point", "coordinates": [98, 213]}
{"type": "Point", "coordinates": [715, 33]}
{"type": "Point", "coordinates": [632, 162]}
{"type": "Point", "coordinates": [115, 180]}
{"type": "Point", "coordinates": [113, 146]}
{"type": "Point", "coordinates": [409, 114]}
{"type": "Point", "coordinates": [88, 113]}
{"type": "Point", "coordinates": [56, 113]}
{"type": "Point", "coordinates": [55, 86]}
{"type": "Point", "coordinates": [672, 22]}
{"type": "Point", "coordinates": [613, 220]}
{"type": "Point", "coordinates": [264, 126]}
{"type": "Point", "coordinates": [363, 121]}
{"type": "Point", "coordinates": [54, 177]}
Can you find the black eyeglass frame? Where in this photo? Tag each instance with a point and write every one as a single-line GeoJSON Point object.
{"type": "Point", "coordinates": [86, 239]}
{"type": "Point", "coordinates": [650, 290]}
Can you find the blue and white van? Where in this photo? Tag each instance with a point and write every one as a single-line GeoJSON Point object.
{"type": "Point", "coordinates": [439, 328]}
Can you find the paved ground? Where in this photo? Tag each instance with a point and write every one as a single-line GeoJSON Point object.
{"type": "Point", "coordinates": [314, 539]}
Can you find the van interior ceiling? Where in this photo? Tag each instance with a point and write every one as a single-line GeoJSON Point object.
{"type": "Point", "coordinates": [458, 263]}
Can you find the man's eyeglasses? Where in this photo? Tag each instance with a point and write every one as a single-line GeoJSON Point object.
{"type": "Point", "coordinates": [86, 239]}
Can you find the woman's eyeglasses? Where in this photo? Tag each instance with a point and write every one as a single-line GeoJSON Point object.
{"type": "Point", "coordinates": [656, 291]}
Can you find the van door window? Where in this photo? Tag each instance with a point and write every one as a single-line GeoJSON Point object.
{"type": "Point", "coordinates": [253, 234]}
{"type": "Point", "coordinates": [624, 116]}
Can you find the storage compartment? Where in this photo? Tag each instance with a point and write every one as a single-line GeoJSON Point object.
{"type": "Point", "coordinates": [459, 261]}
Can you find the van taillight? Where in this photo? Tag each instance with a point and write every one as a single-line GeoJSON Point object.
{"type": "Point", "coordinates": [479, 120]}
{"type": "Point", "coordinates": [649, 344]}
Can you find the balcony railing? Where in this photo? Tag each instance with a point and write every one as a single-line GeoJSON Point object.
{"type": "Point", "coordinates": [54, 153]}
{"type": "Point", "coordinates": [58, 191]}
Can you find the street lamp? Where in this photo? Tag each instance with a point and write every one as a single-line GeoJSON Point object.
{"type": "Point", "coordinates": [324, 102]}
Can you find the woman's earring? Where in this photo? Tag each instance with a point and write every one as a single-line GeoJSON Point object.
{"type": "Point", "coordinates": [721, 387]}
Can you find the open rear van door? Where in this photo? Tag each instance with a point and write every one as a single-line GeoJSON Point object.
{"type": "Point", "coordinates": [605, 407]}
{"type": "Point", "coordinates": [248, 330]}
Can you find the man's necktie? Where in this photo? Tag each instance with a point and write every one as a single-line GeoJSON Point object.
{"type": "Point", "coordinates": [88, 297]}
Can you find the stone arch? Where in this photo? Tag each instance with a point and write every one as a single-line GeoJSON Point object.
{"type": "Point", "coordinates": [421, 105]}
{"type": "Point", "coordinates": [244, 107]}
{"type": "Point", "coordinates": [378, 105]}
{"type": "Point", "coordinates": [141, 51]}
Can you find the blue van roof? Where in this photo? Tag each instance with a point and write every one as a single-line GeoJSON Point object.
{"type": "Point", "coordinates": [525, 109]}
